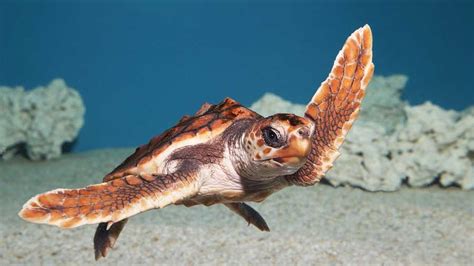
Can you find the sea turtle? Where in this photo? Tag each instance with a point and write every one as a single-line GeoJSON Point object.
{"type": "Point", "coordinates": [224, 153]}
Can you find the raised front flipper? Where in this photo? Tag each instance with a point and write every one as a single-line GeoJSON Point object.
{"type": "Point", "coordinates": [249, 214]}
{"type": "Point", "coordinates": [109, 202]}
{"type": "Point", "coordinates": [335, 106]}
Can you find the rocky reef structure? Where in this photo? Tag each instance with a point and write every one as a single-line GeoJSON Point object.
{"type": "Point", "coordinates": [382, 104]}
{"type": "Point", "coordinates": [435, 143]}
{"type": "Point", "coordinates": [39, 121]}
{"type": "Point", "coordinates": [393, 142]}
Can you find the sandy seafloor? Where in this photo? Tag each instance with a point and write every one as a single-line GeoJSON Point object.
{"type": "Point", "coordinates": [314, 225]}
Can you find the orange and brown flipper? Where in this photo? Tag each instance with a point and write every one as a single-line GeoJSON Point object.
{"type": "Point", "coordinates": [336, 104]}
{"type": "Point", "coordinates": [108, 202]}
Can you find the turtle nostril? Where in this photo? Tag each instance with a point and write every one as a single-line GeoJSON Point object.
{"type": "Point", "coordinates": [303, 132]}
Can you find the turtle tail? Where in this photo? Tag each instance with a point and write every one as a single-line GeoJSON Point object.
{"type": "Point", "coordinates": [107, 202]}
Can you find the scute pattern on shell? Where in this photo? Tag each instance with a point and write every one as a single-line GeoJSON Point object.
{"type": "Point", "coordinates": [209, 118]}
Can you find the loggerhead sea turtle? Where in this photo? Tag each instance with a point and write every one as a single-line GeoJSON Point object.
{"type": "Point", "coordinates": [225, 153]}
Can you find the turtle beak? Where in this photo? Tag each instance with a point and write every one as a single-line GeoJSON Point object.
{"type": "Point", "coordinates": [297, 150]}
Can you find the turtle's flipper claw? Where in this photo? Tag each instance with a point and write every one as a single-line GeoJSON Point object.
{"type": "Point", "coordinates": [105, 238]}
{"type": "Point", "coordinates": [249, 214]}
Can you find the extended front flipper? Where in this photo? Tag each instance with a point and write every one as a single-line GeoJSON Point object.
{"type": "Point", "coordinates": [109, 202]}
{"type": "Point", "coordinates": [249, 214]}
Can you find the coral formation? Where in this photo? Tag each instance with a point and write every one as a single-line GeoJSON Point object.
{"type": "Point", "coordinates": [40, 120]}
{"type": "Point", "coordinates": [393, 142]}
{"type": "Point", "coordinates": [365, 160]}
{"type": "Point", "coordinates": [383, 104]}
{"type": "Point", "coordinates": [435, 143]}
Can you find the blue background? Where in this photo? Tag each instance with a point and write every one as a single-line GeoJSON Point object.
{"type": "Point", "coordinates": [140, 65]}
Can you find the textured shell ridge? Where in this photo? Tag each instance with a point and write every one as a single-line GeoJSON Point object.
{"type": "Point", "coordinates": [207, 124]}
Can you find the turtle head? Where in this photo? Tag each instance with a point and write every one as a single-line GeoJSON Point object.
{"type": "Point", "coordinates": [279, 144]}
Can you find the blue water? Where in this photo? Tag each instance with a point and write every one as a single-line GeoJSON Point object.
{"type": "Point", "coordinates": [139, 65]}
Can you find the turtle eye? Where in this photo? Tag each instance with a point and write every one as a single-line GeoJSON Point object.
{"type": "Point", "coordinates": [272, 137]}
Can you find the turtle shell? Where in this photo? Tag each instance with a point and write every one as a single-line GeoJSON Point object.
{"type": "Point", "coordinates": [208, 123]}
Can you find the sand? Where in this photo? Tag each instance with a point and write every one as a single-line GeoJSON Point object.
{"type": "Point", "coordinates": [315, 225]}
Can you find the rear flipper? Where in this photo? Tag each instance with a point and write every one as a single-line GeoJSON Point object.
{"type": "Point", "coordinates": [249, 214]}
{"type": "Point", "coordinates": [105, 239]}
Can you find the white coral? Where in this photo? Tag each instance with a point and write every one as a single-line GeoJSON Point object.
{"type": "Point", "coordinates": [436, 143]}
{"type": "Point", "coordinates": [42, 119]}
{"type": "Point", "coordinates": [365, 160]}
